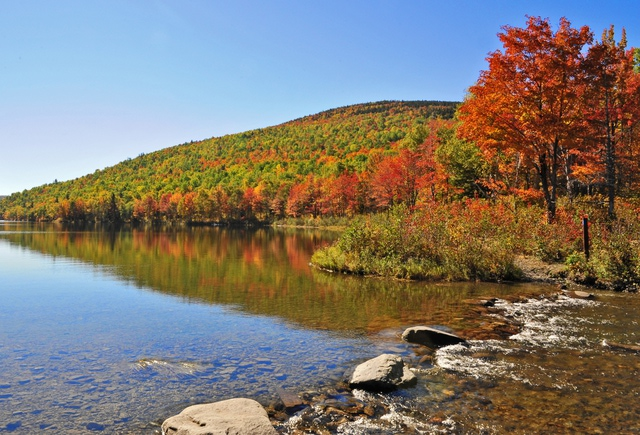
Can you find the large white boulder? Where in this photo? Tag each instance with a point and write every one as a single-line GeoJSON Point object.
{"type": "Point", "coordinates": [229, 417]}
{"type": "Point", "coordinates": [383, 373]}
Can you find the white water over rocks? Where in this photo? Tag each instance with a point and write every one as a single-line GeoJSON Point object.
{"type": "Point", "coordinates": [545, 322]}
{"type": "Point", "coordinates": [545, 325]}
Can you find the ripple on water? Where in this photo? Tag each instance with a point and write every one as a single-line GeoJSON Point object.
{"type": "Point", "coordinates": [402, 415]}
{"type": "Point", "coordinates": [475, 359]}
{"type": "Point", "coordinates": [553, 376]}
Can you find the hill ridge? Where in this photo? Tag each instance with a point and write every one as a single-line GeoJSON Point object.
{"type": "Point", "coordinates": [244, 176]}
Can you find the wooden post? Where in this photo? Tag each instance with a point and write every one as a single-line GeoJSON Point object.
{"type": "Point", "coordinates": [585, 235]}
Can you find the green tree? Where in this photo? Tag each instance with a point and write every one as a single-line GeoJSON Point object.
{"type": "Point", "coordinates": [463, 163]}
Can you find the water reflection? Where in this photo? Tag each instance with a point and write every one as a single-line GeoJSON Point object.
{"type": "Point", "coordinates": [261, 271]}
{"type": "Point", "coordinates": [85, 346]}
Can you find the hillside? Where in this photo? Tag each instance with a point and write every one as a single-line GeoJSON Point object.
{"type": "Point", "coordinates": [290, 169]}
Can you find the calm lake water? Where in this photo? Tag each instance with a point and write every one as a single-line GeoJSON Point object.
{"type": "Point", "coordinates": [114, 331]}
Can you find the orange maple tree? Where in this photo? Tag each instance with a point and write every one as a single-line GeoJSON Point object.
{"type": "Point", "coordinates": [529, 100]}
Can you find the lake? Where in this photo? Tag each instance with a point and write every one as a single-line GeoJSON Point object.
{"type": "Point", "coordinates": [115, 331]}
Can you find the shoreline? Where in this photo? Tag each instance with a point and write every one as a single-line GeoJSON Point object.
{"type": "Point", "coordinates": [535, 270]}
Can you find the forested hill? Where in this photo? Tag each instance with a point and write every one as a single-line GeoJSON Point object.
{"type": "Point", "coordinates": [318, 164]}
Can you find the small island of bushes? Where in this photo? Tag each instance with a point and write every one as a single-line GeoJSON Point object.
{"type": "Point", "coordinates": [476, 239]}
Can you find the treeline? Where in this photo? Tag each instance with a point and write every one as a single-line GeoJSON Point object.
{"type": "Point", "coordinates": [556, 114]}
{"type": "Point", "coordinates": [341, 162]}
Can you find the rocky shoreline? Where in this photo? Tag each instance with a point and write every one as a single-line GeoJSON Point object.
{"type": "Point", "coordinates": [319, 414]}
{"type": "Point", "coordinates": [535, 270]}
{"type": "Point", "coordinates": [360, 395]}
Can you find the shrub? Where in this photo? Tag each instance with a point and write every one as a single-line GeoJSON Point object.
{"type": "Point", "coordinates": [479, 240]}
{"type": "Point", "coordinates": [615, 250]}
{"type": "Point", "coordinates": [580, 270]}
{"type": "Point", "coordinates": [456, 242]}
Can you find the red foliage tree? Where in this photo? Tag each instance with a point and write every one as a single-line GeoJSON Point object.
{"type": "Point", "coordinates": [529, 100]}
{"type": "Point", "coordinates": [303, 198]}
{"type": "Point", "coordinates": [254, 203]}
{"type": "Point", "coordinates": [146, 209]}
{"type": "Point", "coordinates": [613, 110]}
{"type": "Point", "coordinates": [399, 179]}
{"type": "Point", "coordinates": [338, 195]}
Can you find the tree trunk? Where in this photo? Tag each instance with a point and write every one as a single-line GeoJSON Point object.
{"type": "Point", "coordinates": [549, 191]}
{"type": "Point", "coordinates": [610, 165]}
{"type": "Point", "coordinates": [553, 177]}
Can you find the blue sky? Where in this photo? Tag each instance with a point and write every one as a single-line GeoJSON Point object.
{"type": "Point", "coordinates": [86, 84]}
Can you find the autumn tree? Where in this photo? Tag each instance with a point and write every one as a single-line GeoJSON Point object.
{"type": "Point", "coordinates": [187, 207]}
{"type": "Point", "coordinates": [338, 195]}
{"type": "Point", "coordinates": [396, 180]}
{"type": "Point", "coordinates": [303, 198]}
{"type": "Point", "coordinates": [254, 204]}
{"type": "Point", "coordinates": [146, 209]}
{"type": "Point", "coordinates": [528, 100]}
{"type": "Point", "coordinates": [168, 205]}
{"type": "Point", "coordinates": [612, 102]}
{"type": "Point", "coordinates": [220, 208]}
{"type": "Point", "coordinates": [73, 210]}
{"type": "Point", "coordinates": [278, 204]}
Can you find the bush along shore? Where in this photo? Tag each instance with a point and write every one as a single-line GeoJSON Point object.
{"type": "Point", "coordinates": [486, 240]}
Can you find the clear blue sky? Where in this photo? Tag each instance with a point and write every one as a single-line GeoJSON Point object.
{"type": "Point", "coordinates": [85, 84]}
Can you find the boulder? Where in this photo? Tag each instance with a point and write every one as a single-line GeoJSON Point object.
{"type": "Point", "coordinates": [232, 417]}
{"type": "Point", "coordinates": [430, 337]}
{"type": "Point", "coordinates": [383, 373]}
{"type": "Point", "coordinates": [577, 294]}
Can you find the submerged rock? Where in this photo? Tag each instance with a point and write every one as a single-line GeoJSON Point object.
{"type": "Point", "coordinates": [291, 401]}
{"type": "Point", "coordinates": [383, 373]}
{"type": "Point", "coordinates": [431, 337]}
{"type": "Point", "coordinates": [333, 410]}
{"type": "Point", "coordinates": [233, 417]}
{"type": "Point", "coordinates": [621, 346]}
